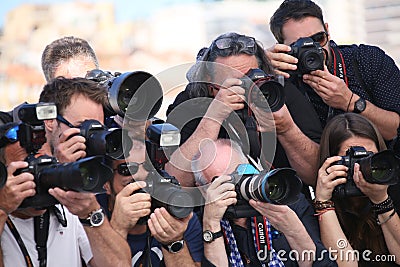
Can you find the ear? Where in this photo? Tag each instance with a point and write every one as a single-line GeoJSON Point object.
{"type": "Point", "coordinates": [107, 187]}
{"type": "Point", "coordinates": [50, 125]}
{"type": "Point", "coordinates": [327, 30]}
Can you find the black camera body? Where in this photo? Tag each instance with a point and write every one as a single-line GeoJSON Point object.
{"type": "Point", "coordinates": [136, 94]}
{"type": "Point", "coordinates": [310, 55]}
{"type": "Point", "coordinates": [103, 141]}
{"type": "Point", "coordinates": [279, 186]}
{"type": "Point", "coordinates": [264, 90]}
{"type": "Point", "coordinates": [377, 168]}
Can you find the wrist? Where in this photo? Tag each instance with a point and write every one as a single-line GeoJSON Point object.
{"type": "Point", "coordinates": [379, 199]}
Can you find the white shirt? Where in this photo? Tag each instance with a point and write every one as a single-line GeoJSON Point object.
{"type": "Point", "coordinates": [65, 245]}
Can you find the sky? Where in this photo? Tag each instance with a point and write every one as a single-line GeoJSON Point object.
{"type": "Point", "coordinates": [125, 9]}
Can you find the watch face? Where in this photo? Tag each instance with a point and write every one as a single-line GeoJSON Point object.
{"type": "Point", "coordinates": [176, 247]}
{"type": "Point", "coordinates": [97, 218]}
{"type": "Point", "coordinates": [360, 105]}
{"type": "Point", "coordinates": [207, 236]}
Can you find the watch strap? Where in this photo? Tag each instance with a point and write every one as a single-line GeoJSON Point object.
{"type": "Point", "coordinates": [175, 246]}
{"type": "Point", "coordinates": [214, 235]}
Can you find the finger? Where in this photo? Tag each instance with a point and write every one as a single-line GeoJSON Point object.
{"type": "Point", "coordinates": [231, 82]}
{"type": "Point", "coordinates": [67, 134]}
{"type": "Point", "coordinates": [15, 165]}
{"type": "Point", "coordinates": [132, 187]}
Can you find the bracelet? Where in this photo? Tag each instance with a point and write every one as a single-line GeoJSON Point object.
{"type": "Point", "coordinates": [322, 205]}
{"type": "Point", "coordinates": [348, 105]}
{"type": "Point", "coordinates": [383, 207]}
{"type": "Point", "coordinates": [387, 219]}
{"type": "Point", "coordinates": [321, 212]}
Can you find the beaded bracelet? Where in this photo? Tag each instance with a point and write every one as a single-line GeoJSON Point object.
{"type": "Point", "coordinates": [387, 219]}
{"type": "Point", "coordinates": [321, 212]}
{"type": "Point", "coordinates": [322, 205]}
{"type": "Point", "coordinates": [383, 207]}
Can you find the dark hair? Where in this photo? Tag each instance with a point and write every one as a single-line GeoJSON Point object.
{"type": "Point", "coordinates": [200, 71]}
{"type": "Point", "coordinates": [61, 90]}
{"type": "Point", "coordinates": [296, 10]}
{"type": "Point", "coordinates": [62, 50]}
{"type": "Point", "coordinates": [355, 215]}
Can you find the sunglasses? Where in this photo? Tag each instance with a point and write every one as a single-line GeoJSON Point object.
{"type": "Point", "coordinates": [320, 37]}
{"type": "Point", "coordinates": [131, 168]}
{"type": "Point", "coordinates": [10, 136]}
{"type": "Point", "coordinates": [65, 121]}
{"type": "Point", "coordinates": [224, 45]}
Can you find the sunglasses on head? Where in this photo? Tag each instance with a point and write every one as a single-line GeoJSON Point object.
{"type": "Point", "coordinates": [224, 45]}
{"type": "Point", "coordinates": [320, 37]}
{"type": "Point", "coordinates": [131, 168]}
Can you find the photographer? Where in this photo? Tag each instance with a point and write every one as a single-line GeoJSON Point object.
{"type": "Point", "coordinates": [367, 220]}
{"type": "Point", "coordinates": [297, 226]}
{"type": "Point", "coordinates": [126, 207]}
{"type": "Point", "coordinates": [205, 108]}
{"type": "Point", "coordinates": [360, 79]}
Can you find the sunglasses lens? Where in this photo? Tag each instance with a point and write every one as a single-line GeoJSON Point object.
{"type": "Point", "coordinates": [223, 43]}
{"type": "Point", "coordinates": [320, 38]}
{"type": "Point", "coordinates": [246, 42]}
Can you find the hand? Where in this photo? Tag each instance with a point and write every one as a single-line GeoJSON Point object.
{"type": "Point", "coordinates": [78, 203]}
{"type": "Point", "coordinates": [327, 178]}
{"type": "Point", "coordinates": [219, 195]}
{"type": "Point", "coordinates": [230, 97]}
{"type": "Point", "coordinates": [166, 228]}
{"type": "Point", "coordinates": [282, 217]}
{"type": "Point", "coordinates": [129, 207]}
{"type": "Point", "coordinates": [377, 193]}
{"type": "Point", "coordinates": [70, 149]}
{"type": "Point", "coordinates": [280, 60]}
{"type": "Point", "coordinates": [333, 90]}
{"type": "Point", "coordinates": [17, 188]}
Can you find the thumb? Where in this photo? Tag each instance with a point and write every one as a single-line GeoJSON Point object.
{"type": "Point", "coordinates": [132, 187]}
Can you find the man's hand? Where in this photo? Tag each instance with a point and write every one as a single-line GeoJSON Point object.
{"type": "Point", "coordinates": [80, 204]}
{"type": "Point", "coordinates": [129, 207]}
{"type": "Point", "coordinates": [280, 121]}
{"type": "Point", "coordinates": [333, 90]}
{"type": "Point", "coordinates": [230, 97]}
{"type": "Point", "coordinates": [166, 228]}
{"type": "Point", "coordinates": [70, 149]}
{"type": "Point", "coordinates": [280, 60]}
{"type": "Point", "coordinates": [219, 195]}
{"type": "Point", "coordinates": [17, 187]}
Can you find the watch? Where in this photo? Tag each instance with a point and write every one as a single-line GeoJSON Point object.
{"type": "Point", "coordinates": [174, 247]}
{"type": "Point", "coordinates": [95, 218]}
{"type": "Point", "coordinates": [360, 105]}
{"type": "Point", "coordinates": [209, 236]}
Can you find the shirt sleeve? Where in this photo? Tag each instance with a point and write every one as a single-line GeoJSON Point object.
{"type": "Point", "coordinates": [193, 238]}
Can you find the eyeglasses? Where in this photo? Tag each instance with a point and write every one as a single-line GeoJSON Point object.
{"type": "Point", "coordinates": [65, 121]}
{"type": "Point", "coordinates": [247, 44]}
{"type": "Point", "coordinates": [320, 37]}
{"type": "Point", "coordinates": [10, 136]}
{"type": "Point", "coordinates": [131, 168]}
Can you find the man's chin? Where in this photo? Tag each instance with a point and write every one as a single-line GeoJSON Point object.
{"type": "Point", "coordinates": [28, 213]}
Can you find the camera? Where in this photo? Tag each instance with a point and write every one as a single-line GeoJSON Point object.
{"type": "Point", "coordinates": [279, 186]}
{"type": "Point", "coordinates": [310, 55]}
{"type": "Point", "coordinates": [136, 94]}
{"type": "Point", "coordinates": [103, 141]}
{"type": "Point", "coordinates": [263, 90]}
{"type": "Point", "coordinates": [88, 174]}
{"type": "Point", "coordinates": [377, 168]}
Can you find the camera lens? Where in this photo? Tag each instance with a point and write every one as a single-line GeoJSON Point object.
{"type": "Point", "coordinates": [380, 168]}
{"type": "Point", "coordinates": [88, 182]}
{"type": "Point", "coordinates": [268, 96]}
{"type": "Point", "coordinates": [311, 60]}
{"type": "Point", "coordinates": [276, 188]}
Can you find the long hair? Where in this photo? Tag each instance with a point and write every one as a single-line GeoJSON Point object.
{"type": "Point", "coordinates": [355, 215]}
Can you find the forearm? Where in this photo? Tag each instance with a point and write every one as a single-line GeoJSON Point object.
{"type": "Point", "coordinates": [301, 152]}
{"type": "Point", "coordinates": [215, 251]}
{"type": "Point", "coordinates": [180, 162]}
{"type": "Point", "coordinates": [391, 233]}
{"type": "Point", "coordinates": [386, 121]}
{"type": "Point", "coordinates": [182, 258]}
{"type": "Point", "coordinates": [108, 247]}
{"type": "Point", "coordinates": [334, 239]}
{"type": "Point", "coordinates": [3, 219]}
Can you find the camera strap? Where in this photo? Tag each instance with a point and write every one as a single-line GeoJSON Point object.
{"type": "Point", "coordinates": [41, 232]}
{"type": "Point", "coordinates": [262, 241]}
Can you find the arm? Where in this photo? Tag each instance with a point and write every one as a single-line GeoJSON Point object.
{"type": "Point", "coordinates": [336, 94]}
{"type": "Point", "coordinates": [390, 225]}
{"type": "Point", "coordinates": [229, 98]}
{"type": "Point", "coordinates": [167, 229]}
{"type": "Point", "coordinates": [285, 220]}
{"type": "Point", "coordinates": [331, 231]}
{"type": "Point", "coordinates": [293, 140]}
{"type": "Point", "coordinates": [107, 245]}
